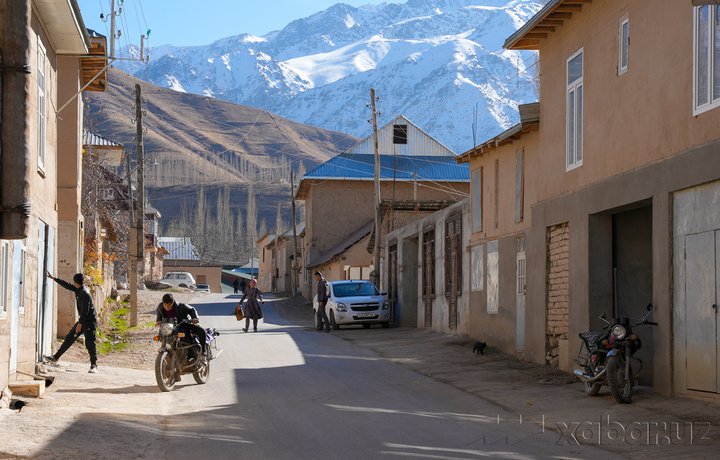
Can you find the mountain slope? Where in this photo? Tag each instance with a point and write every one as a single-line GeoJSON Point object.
{"type": "Point", "coordinates": [434, 61]}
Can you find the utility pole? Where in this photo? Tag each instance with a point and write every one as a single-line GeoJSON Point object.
{"type": "Point", "coordinates": [275, 271]}
{"type": "Point", "coordinates": [294, 279]}
{"type": "Point", "coordinates": [378, 217]}
{"type": "Point", "coordinates": [139, 237]}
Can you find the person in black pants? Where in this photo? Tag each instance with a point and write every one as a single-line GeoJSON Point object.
{"type": "Point", "coordinates": [86, 323]}
{"type": "Point", "coordinates": [322, 298]}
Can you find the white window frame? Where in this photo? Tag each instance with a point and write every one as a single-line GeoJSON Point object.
{"type": "Point", "coordinates": [41, 105]}
{"type": "Point", "coordinates": [624, 46]}
{"type": "Point", "coordinates": [576, 120]}
{"type": "Point", "coordinates": [23, 261]}
{"type": "Point", "coordinates": [5, 277]}
{"type": "Point", "coordinates": [713, 100]}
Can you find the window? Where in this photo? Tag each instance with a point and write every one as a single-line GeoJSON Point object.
{"type": "Point", "coordinates": [706, 45]}
{"type": "Point", "coordinates": [453, 246]}
{"type": "Point", "coordinates": [624, 44]}
{"type": "Point", "coordinates": [477, 200]}
{"type": "Point", "coordinates": [493, 272]}
{"type": "Point", "coordinates": [477, 261]}
{"type": "Point", "coordinates": [428, 263]}
{"type": "Point", "coordinates": [574, 111]}
{"type": "Point", "coordinates": [519, 186]}
{"type": "Point", "coordinates": [41, 106]}
{"type": "Point", "coordinates": [400, 134]}
{"type": "Point", "coordinates": [4, 276]}
{"type": "Point", "coordinates": [520, 286]}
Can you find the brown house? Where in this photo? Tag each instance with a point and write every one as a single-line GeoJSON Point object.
{"type": "Point", "coordinates": [418, 176]}
{"type": "Point", "coordinates": [612, 203]}
{"type": "Point", "coordinates": [47, 57]}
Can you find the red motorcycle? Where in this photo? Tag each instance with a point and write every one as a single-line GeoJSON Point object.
{"type": "Point", "coordinates": [605, 357]}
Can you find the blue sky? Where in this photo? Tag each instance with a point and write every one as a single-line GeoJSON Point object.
{"type": "Point", "coordinates": [200, 22]}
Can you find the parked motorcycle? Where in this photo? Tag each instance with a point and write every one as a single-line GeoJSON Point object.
{"type": "Point", "coordinates": [181, 353]}
{"type": "Point", "coordinates": [605, 357]}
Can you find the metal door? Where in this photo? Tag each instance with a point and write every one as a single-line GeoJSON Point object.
{"type": "Point", "coordinates": [18, 267]}
{"type": "Point", "coordinates": [700, 314]}
{"type": "Point", "coordinates": [520, 302]}
{"type": "Point", "coordinates": [452, 298]}
{"type": "Point", "coordinates": [428, 274]}
{"type": "Point", "coordinates": [46, 260]}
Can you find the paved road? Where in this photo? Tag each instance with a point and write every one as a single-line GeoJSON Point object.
{"type": "Point", "coordinates": [290, 392]}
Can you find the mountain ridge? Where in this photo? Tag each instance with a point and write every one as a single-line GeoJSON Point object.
{"type": "Point", "coordinates": [433, 61]}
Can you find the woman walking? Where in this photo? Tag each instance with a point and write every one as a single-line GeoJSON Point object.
{"type": "Point", "coordinates": [252, 309]}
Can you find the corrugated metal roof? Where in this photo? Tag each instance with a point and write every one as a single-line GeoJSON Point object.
{"type": "Point", "coordinates": [96, 140]}
{"type": "Point", "coordinates": [362, 167]}
{"type": "Point", "coordinates": [180, 248]}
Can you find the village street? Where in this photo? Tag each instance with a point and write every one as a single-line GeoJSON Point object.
{"type": "Point", "coordinates": [290, 392]}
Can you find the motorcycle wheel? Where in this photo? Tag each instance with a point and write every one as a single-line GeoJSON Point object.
{"type": "Point", "coordinates": [202, 375]}
{"type": "Point", "coordinates": [164, 371]}
{"type": "Point", "coordinates": [620, 387]}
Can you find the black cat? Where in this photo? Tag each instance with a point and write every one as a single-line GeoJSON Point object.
{"type": "Point", "coordinates": [479, 347]}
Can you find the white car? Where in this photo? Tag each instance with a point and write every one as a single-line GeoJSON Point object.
{"type": "Point", "coordinates": [180, 279]}
{"type": "Point", "coordinates": [355, 302]}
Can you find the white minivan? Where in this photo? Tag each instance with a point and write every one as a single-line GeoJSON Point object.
{"type": "Point", "coordinates": [180, 279]}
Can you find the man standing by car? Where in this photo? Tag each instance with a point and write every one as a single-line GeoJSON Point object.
{"type": "Point", "coordinates": [322, 298]}
{"type": "Point", "coordinates": [86, 323]}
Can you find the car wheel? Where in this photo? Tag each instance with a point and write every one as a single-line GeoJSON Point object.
{"type": "Point", "coordinates": [183, 285]}
{"type": "Point", "coordinates": [334, 325]}
{"type": "Point", "coordinates": [366, 325]}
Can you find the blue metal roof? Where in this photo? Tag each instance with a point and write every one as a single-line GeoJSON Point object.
{"type": "Point", "coordinates": [398, 167]}
{"type": "Point", "coordinates": [180, 248]}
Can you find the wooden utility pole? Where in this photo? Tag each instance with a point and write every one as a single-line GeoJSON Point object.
{"type": "Point", "coordinates": [139, 237]}
{"type": "Point", "coordinates": [275, 287]}
{"type": "Point", "coordinates": [378, 217]}
{"type": "Point", "coordinates": [294, 279]}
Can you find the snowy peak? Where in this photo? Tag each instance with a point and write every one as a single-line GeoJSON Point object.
{"type": "Point", "coordinates": [432, 60]}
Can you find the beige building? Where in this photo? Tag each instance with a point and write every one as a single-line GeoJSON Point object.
{"type": "Point", "coordinates": [612, 203]}
{"type": "Point", "coordinates": [48, 56]}
{"type": "Point", "coordinates": [418, 176]}
{"type": "Point", "coordinates": [276, 260]}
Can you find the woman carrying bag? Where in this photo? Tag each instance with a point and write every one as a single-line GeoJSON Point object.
{"type": "Point", "coordinates": [252, 308]}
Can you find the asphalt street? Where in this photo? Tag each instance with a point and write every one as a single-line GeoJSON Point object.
{"type": "Point", "coordinates": [291, 392]}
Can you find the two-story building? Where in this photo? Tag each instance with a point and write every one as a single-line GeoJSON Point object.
{"type": "Point", "coordinates": [48, 56]}
{"type": "Point", "coordinates": [612, 203]}
{"type": "Point", "coordinates": [418, 175]}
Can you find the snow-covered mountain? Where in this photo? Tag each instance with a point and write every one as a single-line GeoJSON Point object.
{"type": "Point", "coordinates": [434, 61]}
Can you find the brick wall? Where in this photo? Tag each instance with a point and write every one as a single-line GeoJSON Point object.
{"type": "Point", "coordinates": [558, 287]}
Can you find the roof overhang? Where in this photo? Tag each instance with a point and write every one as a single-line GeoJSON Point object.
{"type": "Point", "coordinates": [551, 16]}
{"type": "Point", "coordinates": [65, 26]}
{"type": "Point", "coordinates": [94, 65]}
{"type": "Point", "coordinates": [529, 121]}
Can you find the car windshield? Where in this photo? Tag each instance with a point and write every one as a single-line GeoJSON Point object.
{"type": "Point", "coordinates": [354, 289]}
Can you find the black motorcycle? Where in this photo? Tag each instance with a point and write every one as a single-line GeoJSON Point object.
{"type": "Point", "coordinates": [605, 357]}
{"type": "Point", "coordinates": [181, 353]}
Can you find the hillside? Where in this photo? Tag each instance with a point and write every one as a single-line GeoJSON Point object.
{"type": "Point", "coordinates": [192, 141]}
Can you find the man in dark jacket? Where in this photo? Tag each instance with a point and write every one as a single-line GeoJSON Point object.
{"type": "Point", "coordinates": [87, 321]}
{"type": "Point", "coordinates": [168, 308]}
{"type": "Point", "coordinates": [322, 299]}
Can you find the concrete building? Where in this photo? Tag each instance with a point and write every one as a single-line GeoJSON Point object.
{"type": "Point", "coordinates": [47, 58]}
{"type": "Point", "coordinates": [180, 255]}
{"type": "Point", "coordinates": [613, 202]}
{"type": "Point", "coordinates": [418, 176]}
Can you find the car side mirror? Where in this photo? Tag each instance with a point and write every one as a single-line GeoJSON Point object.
{"type": "Point", "coordinates": [383, 293]}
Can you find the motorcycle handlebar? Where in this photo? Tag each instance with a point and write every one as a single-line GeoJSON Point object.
{"type": "Point", "coordinates": [651, 323]}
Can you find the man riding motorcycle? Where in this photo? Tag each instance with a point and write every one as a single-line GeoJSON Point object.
{"type": "Point", "coordinates": [168, 308]}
